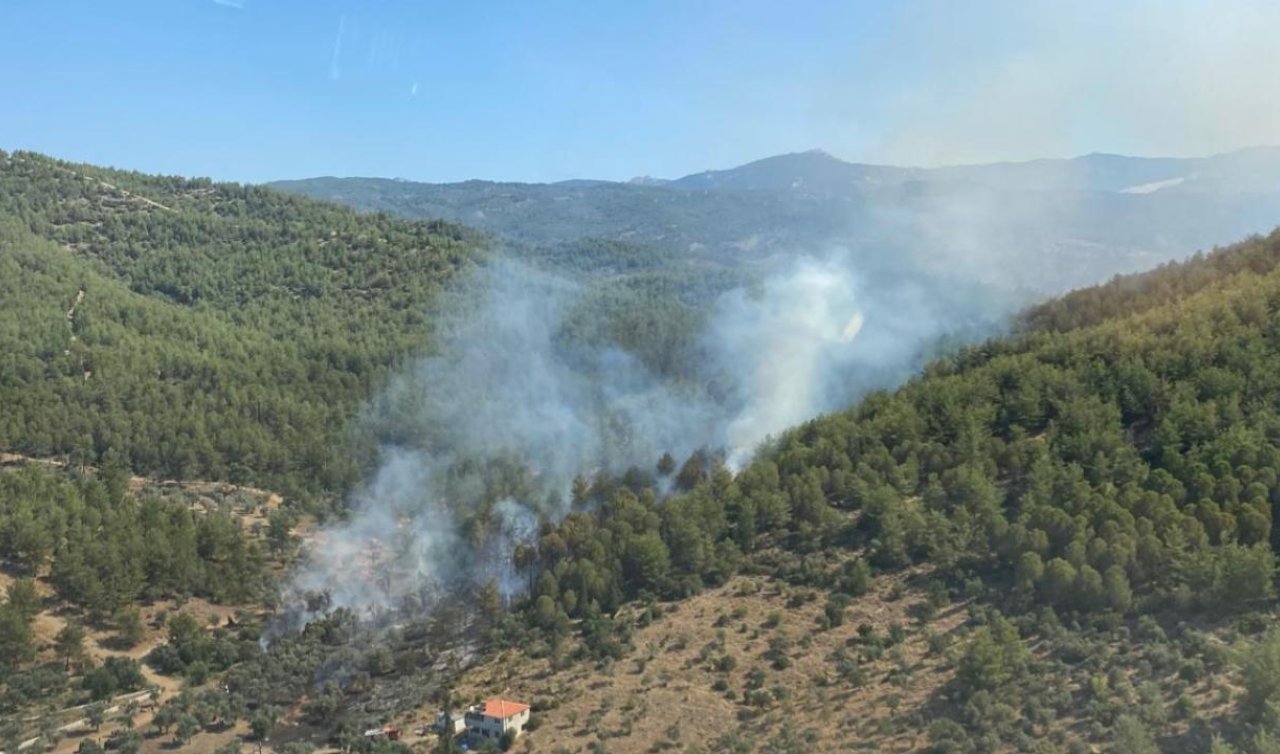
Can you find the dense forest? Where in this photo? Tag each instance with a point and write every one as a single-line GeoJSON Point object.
{"type": "Point", "coordinates": [1117, 461]}
{"type": "Point", "coordinates": [1138, 450]}
{"type": "Point", "coordinates": [105, 550]}
{"type": "Point", "coordinates": [220, 331]}
{"type": "Point", "coordinates": [199, 329]}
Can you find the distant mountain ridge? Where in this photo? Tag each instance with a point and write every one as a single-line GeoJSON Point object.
{"type": "Point", "coordinates": [1045, 225]}
{"type": "Point", "coordinates": [1250, 169]}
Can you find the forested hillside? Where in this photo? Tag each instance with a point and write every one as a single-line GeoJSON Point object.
{"type": "Point", "coordinates": [1098, 493]}
{"type": "Point", "coordinates": [202, 330]}
{"type": "Point", "coordinates": [118, 592]}
{"type": "Point", "coordinates": [220, 331]}
{"type": "Point", "coordinates": [1062, 540]}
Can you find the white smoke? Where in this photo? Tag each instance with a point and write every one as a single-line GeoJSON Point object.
{"type": "Point", "coordinates": [482, 440]}
{"type": "Point", "coordinates": [783, 341]}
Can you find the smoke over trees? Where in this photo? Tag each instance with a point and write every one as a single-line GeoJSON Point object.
{"type": "Point", "coordinates": [516, 418]}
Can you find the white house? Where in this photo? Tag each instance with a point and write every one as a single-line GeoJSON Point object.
{"type": "Point", "coordinates": [452, 723]}
{"type": "Point", "coordinates": [495, 717]}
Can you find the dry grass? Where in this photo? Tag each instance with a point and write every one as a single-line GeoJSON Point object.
{"type": "Point", "coordinates": [661, 696]}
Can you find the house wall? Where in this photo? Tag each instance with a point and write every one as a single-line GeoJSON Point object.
{"type": "Point", "coordinates": [483, 726]}
{"type": "Point", "coordinates": [517, 722]}
{"type": "Point", "coordinates": [453, 725]}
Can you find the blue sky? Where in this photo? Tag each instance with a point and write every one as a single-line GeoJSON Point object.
{"type": "Point", "coordinates": [256, 90]}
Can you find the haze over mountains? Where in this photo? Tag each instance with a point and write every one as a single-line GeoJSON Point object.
{"type": "Point", "coordinates": [815, 171]}
{"type": "Point", "coordinates": [975, 450]}
{"type": "Point", "coordinates": [1044, 225]}
{"type": "Point", "coordinates": [742, 303]}
{"type": "Point", "coordinates": [727, 436]}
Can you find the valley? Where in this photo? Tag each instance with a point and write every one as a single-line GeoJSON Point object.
{"type": "Point", "coordinates": [920, 393]}
{"type": "Point", "coordinates": [1041, 529]}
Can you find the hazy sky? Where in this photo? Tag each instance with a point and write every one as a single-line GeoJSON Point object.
{"type": "Point", "coordinates": [260, 89]}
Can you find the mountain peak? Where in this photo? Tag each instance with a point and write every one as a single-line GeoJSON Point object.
{"type": "Point", "coordinates": [647, 180]}
{"type": "Point", "coordinates": [810, 171]}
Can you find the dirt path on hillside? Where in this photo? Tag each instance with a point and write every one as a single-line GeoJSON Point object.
{"type": "Point", "coordinates": [48, 624]}
{"type": "Point", "coordinates": [199, 486]}
{"type": "Point", "coordinates": [71, 313]}
{"type": "Point", "coordinates": [122, 192]}
{"type": "Point", "coordinates": [46, 627]}
{"type": "Point", "coordinates": [71, 323]}
{"type": "Point", "coordinates": [130, 195]}
{"type": "Point", "coordinates": [73, 722]}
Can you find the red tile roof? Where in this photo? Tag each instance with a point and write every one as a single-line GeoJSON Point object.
{"type": "Point", "coordinates": [502, 709]}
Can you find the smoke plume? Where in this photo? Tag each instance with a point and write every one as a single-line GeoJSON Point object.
{"type": "Point", "coordinates": [482, 440]}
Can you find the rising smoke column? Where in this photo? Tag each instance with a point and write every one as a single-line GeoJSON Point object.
{"type": "Point", "coordinates": [482, 439]}
{"type": "Point", "coordinates": [780, 342]}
